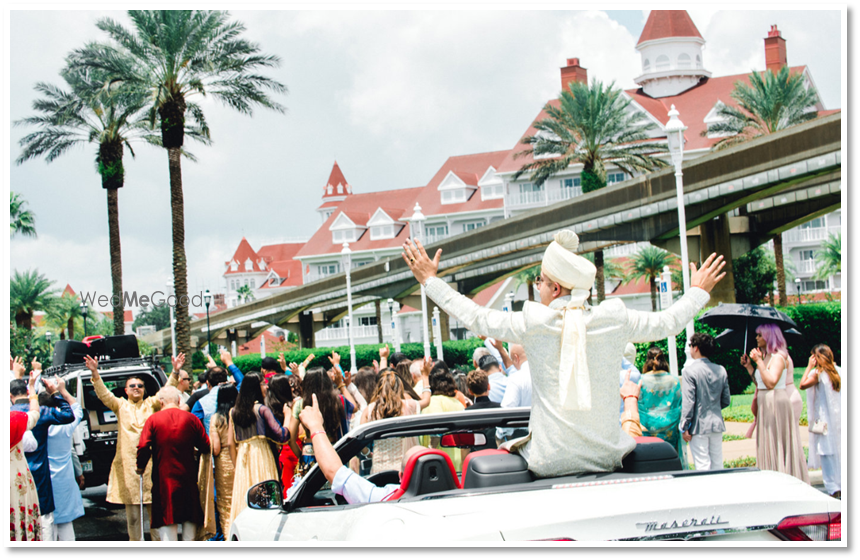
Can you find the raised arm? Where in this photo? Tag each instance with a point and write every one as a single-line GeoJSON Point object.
{"type": "Point", "coordinates": [649, 326]}
{"type": "Point", "coordinates": [771, 373]}
{"type": "Point", "coordinates": [102, 392]}
{"type": "Point", "coordinates": [34, 413]}
{"type": "Point", "coordinates": [273, 427]}
{"type": "Point", "coordinates": [810, 376]}
{"type": "Point", "coordinates": [500, 348]}
{"type": "Point", "coordinates": [62, 413]}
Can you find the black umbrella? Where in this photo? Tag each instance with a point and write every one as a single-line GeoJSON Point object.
{"type": "Point", "coordinates": [731, 338]}
{"type": "Point", "coordinates": [744, 318]}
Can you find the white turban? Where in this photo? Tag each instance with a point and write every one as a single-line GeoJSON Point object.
{"type": "Point", "coordinates": [563, 265]}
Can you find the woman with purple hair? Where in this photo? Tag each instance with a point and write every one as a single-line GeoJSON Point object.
{"type": "Point", "coordinates": [778, 445]}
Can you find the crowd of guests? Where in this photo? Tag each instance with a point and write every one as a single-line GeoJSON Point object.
{"type": "Point", "coordinates": [187, 455]}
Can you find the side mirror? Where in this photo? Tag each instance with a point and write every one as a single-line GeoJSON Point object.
{"type": "Point", "coordinates": [464, 440]}
{"type": "Point", "coordinates": [266, 495]}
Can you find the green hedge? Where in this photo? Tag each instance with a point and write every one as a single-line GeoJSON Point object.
{"type": "Point", "coordinates": [457, 353]}
{"type": "Point", "coordinates": [821, 323]}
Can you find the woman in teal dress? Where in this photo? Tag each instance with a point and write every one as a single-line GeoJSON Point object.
{"type": "Point", "coordinates": [660, 402]}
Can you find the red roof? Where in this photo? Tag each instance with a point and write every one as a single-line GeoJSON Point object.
{"type": "Point", "coordinates": [668, 23]}
{"type": "Point", "coordinates": [242, 254]}
{"type": "Point", "coordinates": [68, 290]}
{"type": "Point", "coordinates": [215, 308]}
{"type": "Point", "coordinates": [128, 317]}
{"type": "Point", "coordinates": [483, 297]}
{"type": "Point", "coordinates": [253, 346]}
{"type": "Point", "coordinates": [469, 168]}
{"type": "Point", "coordinates": [407, 309]}
{"type": "Point", "coordinates": [359, 208]}
{"type": "Point", "coordinates": [336, 178]}
{"type": "Point", "coordinates": [693, 105]}
{"type": "Point", "coordinates": [279, 252]}
{"type": "Point", "coordinates": [289, 274]}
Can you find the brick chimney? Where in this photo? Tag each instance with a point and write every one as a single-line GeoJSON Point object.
{"type": "Point", "coordinates": [573, 72]}
{"type": "Point", "coordinates": [775, 56]}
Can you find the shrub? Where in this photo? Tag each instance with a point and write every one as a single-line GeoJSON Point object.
{"type": "Point", "coordinates": [739, 462]}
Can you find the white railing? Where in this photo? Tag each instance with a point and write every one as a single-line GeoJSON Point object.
{"type": "Point", "coordinates": [624, 250]}
{"type": "Point", "coordinates": [340, 333]}
{"type": "Point", "coordinates": [430, 239]}
{"type": "Point", "coordinates": [801, 235]}
{"type": "Point", "coordinates": [806, 266]}
{"type": "Point", "coordinates": [564, 194]}
{"type": "Point", "coordinates": [527, 198]}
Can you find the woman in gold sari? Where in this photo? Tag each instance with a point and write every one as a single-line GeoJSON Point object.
{"type": "Point", "coordinates": [224, 470]}
{"type": "Point", "coordinates": [251, 425]}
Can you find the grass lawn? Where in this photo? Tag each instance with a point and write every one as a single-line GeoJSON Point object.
{"type": "Point", "coordinates": [739, 410]}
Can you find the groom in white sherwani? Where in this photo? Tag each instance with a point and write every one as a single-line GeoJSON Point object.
{"type": "Point", "coordinates": [574, 350]}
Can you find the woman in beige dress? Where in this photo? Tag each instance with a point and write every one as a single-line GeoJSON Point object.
{"type": "Point", "coordinates": [224, 470]}
{"type": "Point", "coordinates": [778, 445]}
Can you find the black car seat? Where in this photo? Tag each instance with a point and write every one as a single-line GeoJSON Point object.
{"type": "Point", "coordinates": [494, 467]}
{"type": "Point", "coordinates": [651, 454]}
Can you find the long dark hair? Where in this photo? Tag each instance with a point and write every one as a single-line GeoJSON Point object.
{"type": "Point", "coordinates": [317, 382]}
{"type": "Point", "coordinates": [279, 394]}
{"type": "Point", "coordinates": [655, 361]}
{"type": "Point", "coordinates": [824, 357]}
{"type": "Point", "coordinates": [402, 371]}
{"type": "Point", "coordinates": [388, 396]}
{"type": "Point", "coordinates": [366, 381]}
{"type": "Point", "coordinates": [249, 395]}
{"type": "Point", "coordinates": [226, 400]}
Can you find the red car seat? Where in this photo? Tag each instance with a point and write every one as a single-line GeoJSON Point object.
{"type": "Point", "coordinates": [426, 472]}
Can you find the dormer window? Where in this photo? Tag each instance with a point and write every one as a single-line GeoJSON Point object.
{"type": "Point", "coordinates": [646, 66]}
{"type": "Point", "coordinates": [328, 189]}
{"type": "Point", "coordinates": [383, 226]}
{"type": "Point", "coordinates": [252, 283]}
{"type": "Point", "coordinates": [452, 197]}
{"type": "Point", "coordinates": [662, 62]}
{"type": "Point", "coordinates": [249, 265]}
{"type": "Point", "coordinates": [381, 232]}
{"type": "Point", "coordinates": [457, 187]}
{"type": "Point", "coordinates": [234, 266]}
{"type": "Point", "coordinates": [261, 264]}
{"type": "Point", "coordinates": [684, 61]}
{"type": "Point", "coordinates": [491, 185]}
{"type": "Point", "coordinates": [340, 189]}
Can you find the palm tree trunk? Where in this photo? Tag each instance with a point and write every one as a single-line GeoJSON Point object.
{"type": "Point", "coordinates": [653, 293]}
{"type": "Point", "coordinates": [70, 327]}
{"type": "Point", "coordinates": [115, 262]}
{"type": "Point", "coordinates": [24, 320]}
{"type": "Point", "coordinates": [180, 266]}
{"type": "Point", "coordinates": [780, 270]}
{"type": "Point", "coordinates": [598, 278]}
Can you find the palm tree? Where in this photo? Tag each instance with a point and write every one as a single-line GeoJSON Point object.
{"type": "Point", "coordinates": [29, 292]}
{"type": "Point", "coordinates": [245, 293]}
{"type": "Point", "coordinates": [769, 103]}
{"type": "Point", "coordinates": [63, 313]}
{"type": "Point", "coordinates": [107, 117]}
{"type": "Point", "coordinates": [173, 55]}
{"type": "Point", "coordinates": [528, 277]}
{"type": "Point", "coordinates": [648, 262]}
{"type": "Point", "coordinates": [21, 221]}
{"type": "Point", "coordinates": [590, 126]}
{"type": "Point", "coordinates": [830, 257]}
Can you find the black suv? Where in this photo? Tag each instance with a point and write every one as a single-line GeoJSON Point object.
{"type": "Point", "coordinates": [119, 360]}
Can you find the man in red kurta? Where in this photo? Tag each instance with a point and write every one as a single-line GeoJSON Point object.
{"type": "Point", "coordinates": [170, 437]}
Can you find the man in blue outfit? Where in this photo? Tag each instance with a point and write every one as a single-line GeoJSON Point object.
{"type": "Point", "coordinates": [59, 413]}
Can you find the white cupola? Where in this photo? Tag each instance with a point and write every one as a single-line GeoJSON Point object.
{"type": "Point", "coordinates": [671, 50]}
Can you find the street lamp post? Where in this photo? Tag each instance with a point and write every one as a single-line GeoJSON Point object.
{"type": "Point", "coordinates": [395, 334]}
{"type": "Point", "coordinates": [509, 302]}
{"type": "Point", "coordinates": [797, 286]}
{"type": "Point", "coordinates": [207, 299]}
{"type": "Point", "coordinates": [416, 228]}
{"type": "Point", "coordinates": [346, 255]}
{"type": "Point", "coordinates": [172, 320]}
{"type": "Point", "coordinates": [84, 312]}
{"type": "Point", "coordinates": [437, 334]}
{"type": "Point", "coordinates": [675, 138]}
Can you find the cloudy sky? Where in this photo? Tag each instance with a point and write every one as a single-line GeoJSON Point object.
{"type": "Point", "coordinates": [389, 95]}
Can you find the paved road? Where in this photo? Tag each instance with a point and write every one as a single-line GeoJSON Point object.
{"type": "Point", "coordinates": [101, 521]}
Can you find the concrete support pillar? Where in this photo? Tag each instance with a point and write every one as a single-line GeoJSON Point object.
{"type": "Point", "coordinates": [716, 238]}
{"type": "Point", "coordinates": [306, 330]}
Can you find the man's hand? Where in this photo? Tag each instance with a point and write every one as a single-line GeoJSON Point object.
{"type": "Point", "coordinates": [61, 385]}
{"type": "Point", "coordinates": [282, 362]}
{"type": "Point", "coordinates": [92, 365]}
{"type": "Point", "coordinates": [139, 471]}
{"type": "Point", "coordinates": [334, 358]}
{"type": "Point", "coordinates": [49, 386]}
{"type": "Point", "coordinates": [419, 263]}
{"type": "Point", "coordinates": [497, 344]}
{"type": "Point", "coordinates": [81, 482]}
{"type": "Point", "coordinates": [17, 366]}
{"type": "Point", "coordinates": [687, 437]}
{"type": "Point", "coordinates": [210, 362]}
{"type": "Point", "coordinates": [31, 382]}
{"type": "Point", "coordinates": [708, 276]}
{"type": "Point", "coordinates": [426, 366]}
{"type": "Point", "coordinates": [375, 366]}
{"type": "Point", "coordinates": [36, 365]}
{"type": "Point", "coordinates": [178, 362]}
{"type": "Point", "coordinates": [384, 352]}
{"type": "Point", "coordinates": [294, 367]}
{"type": "Point", "coordinates": [226, 358]}
{"type": "Point", "coordinates": [311, 417]}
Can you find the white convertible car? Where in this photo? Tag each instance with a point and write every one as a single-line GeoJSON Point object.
{"type": "Point", "coordinates": [466, 489]}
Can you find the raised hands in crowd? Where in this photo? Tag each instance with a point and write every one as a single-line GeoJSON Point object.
{"type": "Point", "coordinates": [17, 367]}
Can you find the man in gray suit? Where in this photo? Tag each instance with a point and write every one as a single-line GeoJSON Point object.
{"type": "Point", "coordinates": [705, 388]}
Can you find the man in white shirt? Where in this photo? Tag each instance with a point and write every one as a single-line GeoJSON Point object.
{"type": "Point", "coordinates": [574, 352]}
{"type": "Point", "coordinates": [518, 391]}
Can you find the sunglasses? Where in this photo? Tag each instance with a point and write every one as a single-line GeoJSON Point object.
{"type": "Point", "coordinates": [135, 386]}
{"type": "Point", "coordinates": [185, 379]}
